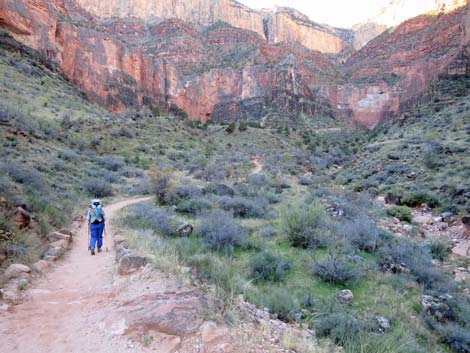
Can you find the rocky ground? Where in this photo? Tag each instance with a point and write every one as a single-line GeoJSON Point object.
{"type": "Point", "coordinates": [437, 227]}
{"type": "Point", "coordinates": [86, 303]}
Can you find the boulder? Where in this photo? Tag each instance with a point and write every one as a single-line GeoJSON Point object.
{"type": "Point", "coordinates": [177, 314]}
{"type": "Point", "coordinates": [40, 266]}
{"type": "Point", "coordinates": [184, 230]}
{"type": "Point", "coordinates": [56, 236]}
{"type": "Point", "coordinates": [344, 296]}
{"type": "Point", "coordinates": [383, 323]}
{"type": "Point", "coordinates": [131, 262]}
{"type": "Point", "coordinates": [66, 232]}
{"type": "Point", "coordinates": [64, 244]}
{"type": "Point", "coordinates": [121, 252]}
{"type": "Point", "coordinates": [16, 271]}
{"type": "Point", "coordinates": [440, 307]}
{"type": "Point", "coordinates": [22, 218]}
{"type": "Point", "coordinates": [119, 240]}
{"type": "Point", "coordinates": [447, 216]}
{"type": "Point", "coordinates": [53, 253]}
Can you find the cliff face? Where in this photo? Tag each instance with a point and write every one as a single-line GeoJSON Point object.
{"type": "Point", "coordinates": [399, 67]}
{"type": "Point", "coordinates": [280, 25]}
{"type": "Point", "coordinates": [226, 73]}
{"type": "Point", "coordinates": [397, 12]}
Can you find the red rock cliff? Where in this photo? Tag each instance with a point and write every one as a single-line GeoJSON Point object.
{"type": "Point", "coordinates": [225, 73]}
{"type": "Point", "coordinates": [280, 25]}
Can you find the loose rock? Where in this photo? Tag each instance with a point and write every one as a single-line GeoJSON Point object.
{"type": "Point", "coordinates": [131, 262]}
{"type": "Point", "coordinates": [344, 296]}
{"type": "Point", "coordinates": [15, 271]}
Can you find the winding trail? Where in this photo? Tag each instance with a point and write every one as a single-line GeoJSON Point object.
{"type": "Point", "coordinates": [56, 315]}
{"type": "Point", "coordinates": [258, 166]}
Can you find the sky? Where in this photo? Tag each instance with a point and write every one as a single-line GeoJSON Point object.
{"type": "Point", "coordinates": [338, 13]}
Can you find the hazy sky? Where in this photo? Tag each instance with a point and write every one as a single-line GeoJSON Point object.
{"type": "Point", "coordinates": [339, 13]}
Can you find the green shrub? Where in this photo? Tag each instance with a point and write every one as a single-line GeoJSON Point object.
{"type": "Point", "coordinates": [268, 267]}
{"type": "Point", "coordinates": [417, 198]}
{"type": "Point", "coordinates": [98, 188]}
{"type": "Point", "coordinates": [439, 250]}
{"type": "Point", "coordinates": [306, 226]}
{"type": "Point", "coordinates": [337, 269]}
{"type": "Point", "coordinates": [279, 301]}
{"type": "Point", "coordinates": [218, 230]}
{"type": "Point", "coordinates": [231, 128]}
{"type": "Point", "coordinates": [403, 213]}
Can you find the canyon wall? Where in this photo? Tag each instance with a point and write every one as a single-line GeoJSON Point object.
{"type": "Point", "coordinates": [227, 73]}
{"type": "Point", "coordinates": [397, 12]}
{"type": "Point", "coordinates": [279, 25]}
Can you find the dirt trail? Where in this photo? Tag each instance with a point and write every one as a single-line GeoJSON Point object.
{"type": "Point", "coordinates": [258, 166]}
{"type": "Point", "coordinates": [56, 316]}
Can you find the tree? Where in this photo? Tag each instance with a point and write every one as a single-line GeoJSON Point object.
{"type": "Point", "coordinates": [161, 182]}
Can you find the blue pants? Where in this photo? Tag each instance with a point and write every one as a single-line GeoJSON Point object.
{"type": "Point", "coordinates": [96, 235]}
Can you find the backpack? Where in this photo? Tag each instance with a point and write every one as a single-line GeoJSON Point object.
{"type": "Point", "coordinates": [96, 215]}
{"type": "Point", "coordinates": [96, 212]}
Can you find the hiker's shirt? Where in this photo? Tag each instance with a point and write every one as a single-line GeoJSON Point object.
{"type": "Point", "coordinates": [89, 215]}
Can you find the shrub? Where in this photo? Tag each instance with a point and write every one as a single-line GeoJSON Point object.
{"type": "Point", "coordinates": [361, 232]}
{"type": "Point", "coordinates": [458, 338]}
{"type": "Point", "coordinates": [417, 198]}
{"type": "Point", "coordinates": [439, 250]}
{"type": "Point", "coordinates": [306, 226]}
{"type": "Point", "coordinates": [280, 301]}
{"type": "Point", "coordinates": [25, 175]}
{"type": "Point", "coordinates": [112, 163]}
{"type": "Point", "coordinates": [231, 128]}
{"type": "Point", "coordinates": [305, 180]}
{"type": "Point", "coordinates": [268, 232]}
{"type": "Point", "coordinates": [161, 183]}
{"type": "Point", "coordinates": [181, 193]}
{"type": "Point", "coordinates": [337, 269]}
{"type": "Point", "coordinates": [341, 327]}
{"type": "Point", "coordinates": [417, 259]}
{"type": "Point", "coordinates": [219, 231]}
{"type": "Point", "coordinates": [268, 267]}
{"type": "Point", "coordinates": [258, 179]}
{"type": "Point", "coordinates": [98, 188]}
{"type": "Point", "coordinates": [194, 206]}
{"type": "Point", "coordinates": [241, 207]}
{"type": "Point", "coordinates": [69, 155]}
{"type": "Point", "coordinates": [403, 213]}
{"type": "Point", "coordinates": [147, 216]}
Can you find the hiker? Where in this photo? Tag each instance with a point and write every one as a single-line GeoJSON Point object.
{"type": "Point", "coordinates": [96, 218]}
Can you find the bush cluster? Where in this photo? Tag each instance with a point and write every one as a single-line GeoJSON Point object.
{"type": "Point", "coordinates": [147, 216]}
{"type": "Point", "coordinates": [219, 231]}
{"type": "Point", "coordinates": [337, 269]}
{"type": "Point", "coordinates": [268, 267]}
{"type": "Point", "coordinates": [306, 226]}
{"type": "Point", "coordinates": [403, 213]}
{"type": "Point", "coordinates": [242, 207]}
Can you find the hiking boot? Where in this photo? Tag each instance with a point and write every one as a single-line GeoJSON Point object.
{"type": "Point", "coordinates": [93, 251]}
{"type": "Point", "coordinates": [99, 249]}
